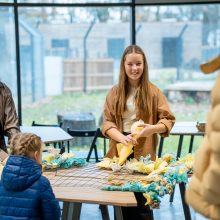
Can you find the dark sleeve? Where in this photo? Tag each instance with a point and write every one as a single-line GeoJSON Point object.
{"type": "Point", "coordinates": [50, 205]}
{"type": "Point", "coordinates": [10, 121]}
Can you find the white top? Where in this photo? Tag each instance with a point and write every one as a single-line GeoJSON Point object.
{"type": "Point", "coordinates": [129, 116]}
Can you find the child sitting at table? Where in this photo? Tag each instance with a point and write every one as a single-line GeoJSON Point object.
{"type": "Point", "coordinates": [24, 192]}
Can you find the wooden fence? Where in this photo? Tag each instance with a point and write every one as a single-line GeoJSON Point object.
{"type": "Point", "coordinates": [99, 74]}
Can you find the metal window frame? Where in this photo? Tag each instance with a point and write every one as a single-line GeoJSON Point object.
{"type": "Point", "coordinates": [132, 4]}
{"type": "Point", "coordinates": [173, 2]}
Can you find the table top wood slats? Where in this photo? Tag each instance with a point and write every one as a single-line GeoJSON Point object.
{"type": "Point", "coordinates": [83, 185]}
{"type": "Point", "coordinates": [95, 196]}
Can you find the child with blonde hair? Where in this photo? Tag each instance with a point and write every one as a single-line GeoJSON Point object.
{"type": "Point", "coordinates": [24, 192]}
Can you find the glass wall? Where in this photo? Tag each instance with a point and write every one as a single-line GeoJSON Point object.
{"type": "Point", "coordinates": [177, 39]}
{"type": "Point", "coordinates": [6, 1]}
{"type": "Point", "coordinates": [66, 52]}
{"type": "Point", "coordinates": [70, 53]}
{"type": "Point", "coordinates": [73, 1]}
{"type": "Point", "coordinates": [8, 73]}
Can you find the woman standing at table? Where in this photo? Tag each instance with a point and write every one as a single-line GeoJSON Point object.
{"type": "Point", "coordinates": [135, 98]}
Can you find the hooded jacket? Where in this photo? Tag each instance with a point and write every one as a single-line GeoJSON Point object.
{"type": "Point", "coordinates": [25, 193]}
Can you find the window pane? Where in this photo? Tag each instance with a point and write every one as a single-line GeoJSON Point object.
{"type": "Point", "coordinates": [8, 73]}
{"type": "Point", "coordinates": [169, 1]}
{"type": "Point", "coordinates": [65, 51]}
{"type": "Point", "coordinates": [177, 39]}
{"type": "Point", "coordinates": [6, 1]}
{"type": "Point", "coordinates": [73, 1]}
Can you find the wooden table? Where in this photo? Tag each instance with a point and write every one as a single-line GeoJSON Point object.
{"type": "Point", "coordinates": [182, 129]}
{"type": "Point", "coordinates": [75, 186]}
{"type": "Point", "coordinates": [74, 197]}
{"type": "Point", "coordinates": [83, 185]}
{"type": "Point", "coordinates": [48, 134]}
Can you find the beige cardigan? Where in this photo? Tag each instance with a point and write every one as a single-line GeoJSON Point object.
{"type": "Point", "coordinates": [161, 114]}
{"type": "Point", "coordinates": [203, 192]}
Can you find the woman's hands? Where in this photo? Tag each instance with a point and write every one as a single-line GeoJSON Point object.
{"type": "Point", "coordinates": [121, 138]}
{"type": "Point", "coordinates": [149, 130]}
{"type": "Point", "coordinates": [129, 139]}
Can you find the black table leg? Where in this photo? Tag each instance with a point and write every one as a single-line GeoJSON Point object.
{"type": "Point", "coordinates": [96, 154]}
{"type": "Point", "coordinates": [160, 149]}
{"type": "Point", "coordinates": [179, 146]}
{"type": "Point", "coordinates": [104, 211]}
{"type": "Point", "coordinates": [76, 210]}
{"type": "Point", "coordinates": [65, 210]}
{"type": "Point", "coordinates": [172, 195]}
{"type": "Point", "coordinates": [185, 206]}
{"type": "Point", "coordinates": [179, 149]}
{"type": "Point", "coordinates": [191, 143]}
{"type": "Point", "coordinates": [118, 213]}
{"type": "Point", "coordinates": [93, 147]}
{"type": "Point", "coordinates": [71, 211]}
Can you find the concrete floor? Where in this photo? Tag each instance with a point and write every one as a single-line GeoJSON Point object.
{"type": "Point", "coordinates": [167, 211]}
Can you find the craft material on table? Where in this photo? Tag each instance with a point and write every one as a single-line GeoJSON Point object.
{"type": "Point", "coordinates": [92, 177]}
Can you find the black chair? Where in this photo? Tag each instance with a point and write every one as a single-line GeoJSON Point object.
{"type": "Point", "coordinates": [52, 125]}
{"type": "Point", "coordinates": [81, 133]}
{"type": "Point", "coordinates": [98, 134]}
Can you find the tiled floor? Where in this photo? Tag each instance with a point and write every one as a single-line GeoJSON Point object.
{"type": "Point", "coordinates": [167, 211]}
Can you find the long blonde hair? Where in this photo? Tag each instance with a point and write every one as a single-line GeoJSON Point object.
{"type": "Point", "coordinates": [142, 96]}
{"type": "Point", "coordinates": [25, 144]}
